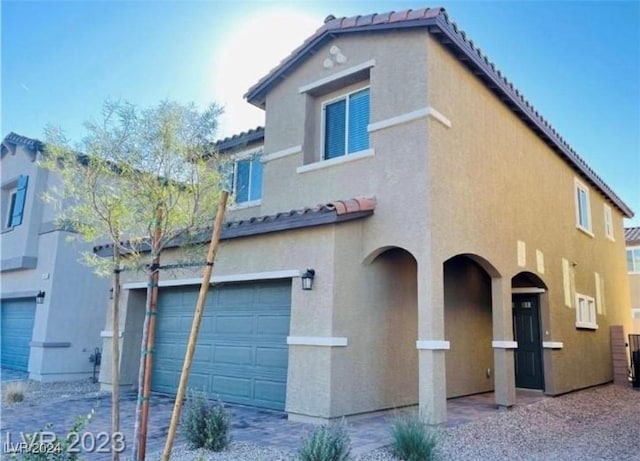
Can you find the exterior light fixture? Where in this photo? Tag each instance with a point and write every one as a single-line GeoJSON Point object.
{"type": "Point", "coordinates": [110, 293]}
{"type": "Point", "coordinates": [307, 279]}
{"type": "Point", "coordinates": [40, 297]}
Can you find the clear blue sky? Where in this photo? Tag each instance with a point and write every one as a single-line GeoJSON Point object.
{"type": "Point", "coordinates": [577, 62]}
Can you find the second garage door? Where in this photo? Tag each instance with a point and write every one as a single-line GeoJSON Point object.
{"type": "Point", "coordinates": [16, 329]}
{"type": "Point", "coordinates": [242, 353]}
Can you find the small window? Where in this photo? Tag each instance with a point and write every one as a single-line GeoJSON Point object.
{"type": "Point", "coordinates": [583, 208]}
{"type": "Point", "coordinates": [586, 312]}
{"type": "Point", "coordinates": [633, 260]}
{"type": "Point", "coordinates": [247, 184]}
{"type": "Point", "coordinates": [16, 201]}
{"type": "Point", "coordinates": [345, 124]}
{"type": "Point", "coordinates": [608, 222]}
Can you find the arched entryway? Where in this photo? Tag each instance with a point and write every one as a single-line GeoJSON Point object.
{"type": "Point", "coordinates": [468, 325]}
{"type": "Point", "coordinates": [389, 330]}
{"type": "Point", "coordinates": [528, 299]}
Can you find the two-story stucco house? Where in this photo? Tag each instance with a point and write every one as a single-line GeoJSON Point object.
{"type": "Point", "coordinates": [52, 307]}
{"type": "Point", "coordinates": [460, 245]}
{"type": "Point", "coordinates": [632, 238]}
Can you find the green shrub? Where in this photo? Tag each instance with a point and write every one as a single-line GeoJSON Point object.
{"type": "Point", "coordinates": [14, 392]}
{"type": "Point", "coordinates": [65, 448]}
{"type": "Point", "coordinates": [412, 439]}
{"type": "Point", "coordinates": [327, 443]}
{"type": "Point", "coordinates": [205, 424]}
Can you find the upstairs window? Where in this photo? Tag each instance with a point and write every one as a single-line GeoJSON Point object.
{"type": "Point", "coordinates": [583, 207]}
{"type": "Point", "coordinates": [16, 200]}
{"type": "Point", "coordinates": [247, 181]}
{"type": "Point", "coordinates": [345, 124]}
{"type": "Point", "coordinates": [633, 260]}
{"type": "Point", "coordinates": [586, 312]}
{"type": "Point", "coordinates": [608, 222]}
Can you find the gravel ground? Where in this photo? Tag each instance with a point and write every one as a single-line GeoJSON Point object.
{"type": "Point", "coordinates": [36, 392]}
{"type": "Point", "coordinates": [602, 423]}
{"type": "Point", "coordinates": [596, 424]}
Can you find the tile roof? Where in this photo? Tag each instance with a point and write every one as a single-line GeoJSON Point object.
{"type": "Point", "coordinates": [632, 235]}
{"type": "Point", "coordinates": [31, 143]}
{"type": "Point", "coordinates": [437, 22]}
{"type": "Point", "coordinates": [240, 139]}
{"type": "Point", "coordinates": [330, 213]}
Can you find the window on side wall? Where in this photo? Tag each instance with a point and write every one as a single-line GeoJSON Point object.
{"type": "Point", "coordinates": [345, 122]}
{"type": "Point", "coordinates": [608, 222]}
{"type": "Point", "coordinates": [247, 181]}
{"type": "Point", "coordinates": [583, 207]}
{"type": "Point", "coordinates": [14, 197]}
{"type": "Point", "coordinates": [586, 312]}
{"type": "Point", "coordinates": [633, 260]}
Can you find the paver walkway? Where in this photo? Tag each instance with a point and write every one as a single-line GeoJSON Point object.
{"type": "Point", "coordinates": [262, 427]}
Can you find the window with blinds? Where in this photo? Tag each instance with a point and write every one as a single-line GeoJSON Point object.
{"type": "Point", "coordinates": [345, 124]}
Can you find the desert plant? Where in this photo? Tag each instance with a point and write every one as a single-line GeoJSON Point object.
{"type": "Point", "coordinates": [205, 424]}
{"type": "Point", "coordinates": [327, 443]}
{"type": "Point", "coordinates": [14, 392]}
{"type": "Point", "coordinates": [59, 449]}
{"type": "Point", "coordinates": [413, 439]}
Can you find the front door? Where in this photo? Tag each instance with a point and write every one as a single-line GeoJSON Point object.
{"type": "Point", "coordinates": [526, 329]}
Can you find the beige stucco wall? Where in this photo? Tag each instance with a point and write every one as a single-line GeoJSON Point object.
{"type": "Point", "coordinates": [73, 294]}
{"type": "Point", "coordinates": [494, 183]}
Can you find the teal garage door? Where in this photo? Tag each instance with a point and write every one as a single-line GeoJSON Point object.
{"type": "Point", "coordinates": [242, 353]}
{"type": "Point", "coordinates": [16, 329]}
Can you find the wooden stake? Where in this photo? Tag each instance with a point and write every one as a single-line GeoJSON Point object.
{"type": "Point", "coordinates": [195, 326]}
{"type": "Point", "coordinates": [148, 364]}
{"type": "Point", "coordinates": [115, 352]}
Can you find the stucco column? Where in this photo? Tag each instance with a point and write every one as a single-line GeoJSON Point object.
{"type": "Point", "coordinates": [431, 344]}
{"type": "Point", "coordinates": [503, 344]}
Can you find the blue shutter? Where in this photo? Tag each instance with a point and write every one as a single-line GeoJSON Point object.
{"type": "Point", "coordinates": [256, 180]}
{"type": "Point", "coordinates": [334, 129]}
{"type": "Point", "coordinates": [243, 169]}
{"type": "Point", "coordinates": [358, 121]}
{"type": "Point", "coordinates": [17, 211]}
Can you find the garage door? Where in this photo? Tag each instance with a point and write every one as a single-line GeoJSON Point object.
{"type": "Point", "coordinates": [242, 353]}
{"type": "Point", "coordinates": [16, 329]}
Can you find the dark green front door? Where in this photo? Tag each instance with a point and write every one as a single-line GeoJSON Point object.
{"type": "Point", "coordinates": [16, 330]}
{"type": "Point", "coordinates": [241, 355]}
{"type": "Point", "coordinates": [526, 329]}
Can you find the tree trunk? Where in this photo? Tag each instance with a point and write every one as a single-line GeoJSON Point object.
{"type": "Point", "coordinates": [148, 340]}
{"type": "Point", "coordinates": [115, 361]}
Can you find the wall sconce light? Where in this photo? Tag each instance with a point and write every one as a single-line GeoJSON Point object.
{"type": "Point", "coordinates": [40, 297]}
{"type": "Point", "coordinates": [110, 293]}
{"type": "Point", "coordinates": [307, 279]}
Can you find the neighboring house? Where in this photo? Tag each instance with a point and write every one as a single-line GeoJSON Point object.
{"type": "Point", "coordinates": [632, 238]}
{"type": "Point", "coordinates": [52, 307]}
{"type": "Point", "coordinates": [460, 245]}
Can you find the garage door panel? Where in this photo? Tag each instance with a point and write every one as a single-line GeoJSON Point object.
{"type": "Point", "coordinates": [272, 324]}
{"type": "Point", "coordinates": [231, 325]}
{"type": "Point", "coordinates": [231, 387]}
{"type": "Point", "coordinates": [233, 354]}
{"type": "Point", "coordinates": [272, 357]}
{"type": "Point", "coordinates": [242, 355]}
{"type": "Point", "coordinates": [270, 391]}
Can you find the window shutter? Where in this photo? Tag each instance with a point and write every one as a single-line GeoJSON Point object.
{"type": "Point", "coordinates": [358, 121]}
{"type": "Point", "coordinates": [256, 180]}
{"type": "Point", "coordinates": [21, 196]}
{"type": "Point", "coordinates": [335, 129]}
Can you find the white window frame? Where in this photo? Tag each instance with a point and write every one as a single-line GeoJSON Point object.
{"type": "Point", "coordinates": [323, 118]}
{"type": "Point", "coordinates": [253, 154]}
{"type": "Point", "coordinates": [580, 186]}
{"type": "Point", "coordinates": [608, 222]}
{"type": "Point", "coordinates": [636, 264]}
{"type": "Point", "coordinates": [586, 316]}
